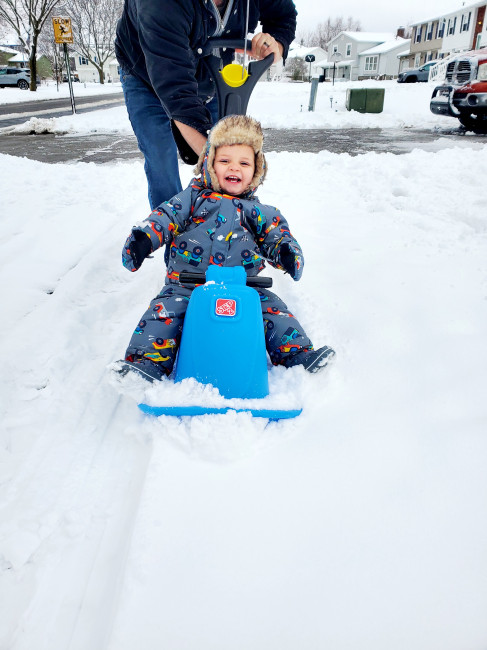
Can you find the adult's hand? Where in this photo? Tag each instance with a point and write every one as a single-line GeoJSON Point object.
{"type": "Point", "coordinates": [264, 44]}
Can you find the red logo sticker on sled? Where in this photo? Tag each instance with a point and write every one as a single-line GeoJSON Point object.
{"type": "Point", "coordinates": [226, 307]}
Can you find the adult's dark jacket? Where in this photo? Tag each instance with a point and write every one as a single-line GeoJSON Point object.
{"type": "Point", "coordinates": [160, 41]}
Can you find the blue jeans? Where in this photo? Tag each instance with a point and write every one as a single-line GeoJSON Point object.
{"type": "Point", "coordinates": [152, 128]}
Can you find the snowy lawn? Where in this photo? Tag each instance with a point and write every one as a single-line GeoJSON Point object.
{"type": "Point", "coordinates": [361, 524]}
{"type": "Point", "coordinates": [49, 90]}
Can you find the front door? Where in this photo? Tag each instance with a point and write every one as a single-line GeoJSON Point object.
{"type": "Point", "coordinates": [479, 24]}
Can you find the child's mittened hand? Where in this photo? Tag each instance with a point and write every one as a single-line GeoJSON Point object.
{"type": "Point", "coordinates": [137, 247]}
{"type": "Point", "coordinates": [291, 260]}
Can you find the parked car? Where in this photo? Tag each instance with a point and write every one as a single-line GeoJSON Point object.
{"type": "Point", "coordinates": [463, 93]}
{"type": "Point", "coordinates": [19, 77]}
{"type": "Point", "coordinates": [74, 77]}
{"type": "Point", "coordinates": [416, 74]}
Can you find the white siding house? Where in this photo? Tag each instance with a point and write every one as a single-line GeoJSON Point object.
{"type": "Point", "coordinates": [351, 55]}
{"type": "Point", "coordinates": [460, 27]}
{"type": "Point", "coordinates": [87, 72]}
{"type": "Point", "coordinates": [438, 36]}
{"type": "Point", "coordinates": [383, 60]}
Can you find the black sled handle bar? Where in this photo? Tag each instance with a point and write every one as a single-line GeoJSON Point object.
{"type": "Point", "coordinates": [191, 278]}
{"type": "Point", "coordinates": [233, 101]}
{"type": "Point", "coordinates": [224, 44]}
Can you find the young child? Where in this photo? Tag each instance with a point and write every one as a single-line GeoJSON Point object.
{"type": "Point", "coordinates": [217, 219]}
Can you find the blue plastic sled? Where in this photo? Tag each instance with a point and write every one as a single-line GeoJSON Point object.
{"type": "Point", "coordinates": [181, 411]}
{"type": "Point", "coordinates": [223, 344]}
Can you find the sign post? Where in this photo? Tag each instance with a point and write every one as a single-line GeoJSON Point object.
{"type": "Point", "coordinates": [63, 33]}
{"type": "Point", "coordinates": [336, 56]}
{"type": "Point", "coordinates": [312, 95]}
{"type": "Point", "coordinates": [309, 58]}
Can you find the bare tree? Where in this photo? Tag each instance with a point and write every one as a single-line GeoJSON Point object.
{"type": "Point", "coordinates": [295, 67]}
{"type": "Point", "coordinates": [328, 29]}
{"type": "Point", "coordinates": [3, 27]}
{"type": "Point", "coordinates": [27, 18]}
{"type": "Point", "coordinates": [94, 24]}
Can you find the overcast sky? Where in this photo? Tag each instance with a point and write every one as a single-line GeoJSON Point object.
{"type": "Point", "coordinates": [373, 15]}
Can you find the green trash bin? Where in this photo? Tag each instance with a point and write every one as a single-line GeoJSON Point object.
{"type": "Point", "coordinates": [365, 100]}
{"type": "Point", "coordinates": [356, 99]}
{"type": "Point", "coordinates": [375, 100]}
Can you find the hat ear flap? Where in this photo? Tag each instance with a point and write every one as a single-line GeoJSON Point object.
{"type": "Point", "coordinates": [199, 164]}
{"type": "Point", "coordinates": [205, 167]}
{"type": "Point", "coordinates": [209, 166]}
{"type": "Point", "coordinates": [260, 169]}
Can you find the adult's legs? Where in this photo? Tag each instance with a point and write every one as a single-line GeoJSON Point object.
{"type": "Point", "coordinates": [152, 128]}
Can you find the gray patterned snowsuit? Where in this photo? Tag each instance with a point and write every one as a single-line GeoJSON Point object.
{"type": "Point", "coordinates": [201, 227]}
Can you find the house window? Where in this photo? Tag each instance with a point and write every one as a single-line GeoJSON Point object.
{"type": "Point", "coordinates": [335, 49]}
{"type": "Point", "coordinates": [465, 24]}
{"type": "Point", "coordinates": [371, 63]}
{"type": "Point", "coordinates": [429, 32]}
{"type": "Point", "coordinates": [441, 28]}
{"type": "Point", "coordinates": [451, 26]}
{"type": "Point", "coordinates": [83, 60]}
{"type": "Point", "coordinates": [418, 35]}
{"type": "Point", "coordinates": [349, 49]}
{"type": "Point", "coordinates": [417, 60]}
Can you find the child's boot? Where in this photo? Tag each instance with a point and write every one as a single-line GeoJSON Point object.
{"type": "Point", "coordinates": [312, 360]}
{"type": "Point", "coordinates": [146, 368]}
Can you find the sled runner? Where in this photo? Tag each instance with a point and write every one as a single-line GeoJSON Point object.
{"type": "Point", "coordinates": [223, 313]}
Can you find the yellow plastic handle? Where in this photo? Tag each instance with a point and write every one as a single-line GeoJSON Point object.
{"type": "Point", "coordinates": [234, 75]}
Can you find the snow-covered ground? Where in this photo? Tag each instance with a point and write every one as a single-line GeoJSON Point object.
{"type": "Point", "coordinates": [360, 525]}
{"type": "Point", "coordinates": [283, 106]}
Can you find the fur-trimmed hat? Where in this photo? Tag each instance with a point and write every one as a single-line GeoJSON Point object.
{"type": "Point", "coordinates": [234, 129]}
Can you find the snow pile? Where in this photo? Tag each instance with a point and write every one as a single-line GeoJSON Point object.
{"type": "Point", "coordinates": [359, 524]}
{"type": "Point", "coordinates": [189, 392]}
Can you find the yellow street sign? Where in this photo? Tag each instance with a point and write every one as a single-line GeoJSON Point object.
{"type": "Point", "coordinates": [62, 30]}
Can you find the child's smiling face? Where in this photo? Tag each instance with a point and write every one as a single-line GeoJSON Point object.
{"type": "Point", "coordinates": [234, 167]}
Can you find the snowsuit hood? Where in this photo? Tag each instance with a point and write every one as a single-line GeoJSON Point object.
{"type": "Point", "coordinates": [234, 129]}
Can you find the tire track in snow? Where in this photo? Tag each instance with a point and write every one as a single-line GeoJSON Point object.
{"type": "Point", "coordinates": [77, 480]}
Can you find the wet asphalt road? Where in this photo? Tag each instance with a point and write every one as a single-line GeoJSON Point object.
{"type": "Point", "coordinates": [12, 114]}
{"type": "Point", "coordinates": [103, 148]}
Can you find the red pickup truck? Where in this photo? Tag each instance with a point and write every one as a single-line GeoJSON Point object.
{"type": "Point", "coordinates": [464, 91]}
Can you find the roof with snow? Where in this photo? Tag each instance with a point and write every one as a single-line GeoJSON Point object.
{"type": "Point", "coordinates": [19, 57]}
{"type": "Point", "coordinates": [8, 50]}
{"type": "Point", "coordinates": [453, 8]}
{"type": "Point", "coordinates": [301, 51]}
{"type": "Point", "coordinates": [389, 46]}
{"type": "Point", "coordinates": [367, 37]}
{"type": "Point", "coordinates": [338, 64]}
